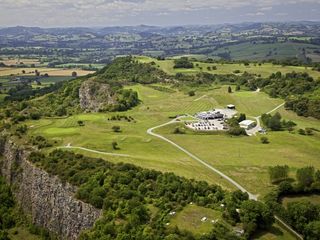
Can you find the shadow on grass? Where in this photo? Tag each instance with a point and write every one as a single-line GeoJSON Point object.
{"type": "Point", "coordinates": [274, 230]}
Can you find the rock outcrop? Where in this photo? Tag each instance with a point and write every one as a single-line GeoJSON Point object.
{"type": "Point", "coordinates": [95, 96]}
{"type": "Point", "coordinates": [50, 202]}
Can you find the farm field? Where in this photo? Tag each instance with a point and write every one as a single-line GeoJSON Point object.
{"type": "Point", "coordinates": [19, 61]}
{"type": "Point", "coordinates": [51, 71]}
{"type": "Point", "coordinates": [258, 51]}
{"type": "Point", "coordinates": [265, 70]}
{"type": "Point", "coordinates": [244, 159]}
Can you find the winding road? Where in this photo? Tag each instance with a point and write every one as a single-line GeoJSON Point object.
{"type": "Point", "coordinates": [230, 180]}
{"type": "Point", "coordinates": [254, 130]}
{"type": "Point", "coordinates": [150, 132]}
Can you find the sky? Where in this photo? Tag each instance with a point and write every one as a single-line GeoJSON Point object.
{"type": "Point", "coordinates": [98, 13]}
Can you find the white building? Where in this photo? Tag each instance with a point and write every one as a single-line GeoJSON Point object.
{"type": "Point", "coordinates": [231, 106]}
{"type": "Point", "coordinates": [247, 124]}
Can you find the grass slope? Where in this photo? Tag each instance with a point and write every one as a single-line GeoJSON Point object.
{"type": "Point", "coordinates": [265, 70]}
{"type": "Point", "coordinates": [245, 158]}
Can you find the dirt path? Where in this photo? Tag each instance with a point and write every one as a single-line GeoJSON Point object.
{"type": "Point", "coordinates": [199, 98]}
{"type": "Point", "coordinates": [95, 151]}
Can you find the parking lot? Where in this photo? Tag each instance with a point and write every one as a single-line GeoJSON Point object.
{"type": "Point", "coordinates": [206, 123]}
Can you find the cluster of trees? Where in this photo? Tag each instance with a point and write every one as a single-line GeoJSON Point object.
{"type": "Point", "coordinates": [126, 99]}
{"type": "Point", "coordinates": [299, 90]}
{"type": "Point", "coordinates": [202, 78]}
{"type": "Point", "coordinates": [11, 217]}
{"type": "Point", "coordinates": [274, 122]}
{"type": "Point", "coordinates": [121, 117]}
{"type": "Point", "coordinates": [252, 214]}
{"type": "Point", "coordinates": [234, 127]}
{"type": "Point", "coordinates": [128, 70]}
{"type": "Point", "coordinates": [40, 142]}
{"type": "Point", "coordinates": [183, 62]}
{"type": "Point", "coordinates": [304, 106]}
{"type": "Point", "coordinates": [304, 216]}
{"type": "Point", "coordinates": [126, 192]}
{"type": "Point", "coordinates": [7, 218]}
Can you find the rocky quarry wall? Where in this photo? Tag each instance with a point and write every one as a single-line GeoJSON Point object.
{"type": "Point", "coordinates": [50, 202]}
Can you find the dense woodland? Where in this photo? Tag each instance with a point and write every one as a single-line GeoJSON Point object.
{"type": "Point", "coordinates": [304, 216]}
{"type": "Point", "coordinates": [127, 194]}
{"type": "Point", "coordinates": [300, 90]}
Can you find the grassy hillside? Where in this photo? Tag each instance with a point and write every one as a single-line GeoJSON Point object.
{"type": "Point", "coordinates": [245, 158]}
{"type": "Point", "coordinates": [265, 69]}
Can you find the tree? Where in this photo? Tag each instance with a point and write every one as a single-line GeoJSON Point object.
{"type": "Point", "coordinates": [182, 63]}
{"type": "Point", "coordinates": [301, 213]}
{"type": "Point", "coordinates": [278, 173]}
{"type": "Point", "coordinates": [242, 117]}
{"type": "Point", "coordinates": [255, 215]}
{"type": "Point", "coordinates": [312, 230]}
{"type": "Point", "coordinates": [178, 130]}
{"type": "Point", "coordinates": [305, 176]}
{"type": "Point", "coordinates": [115, 145]}
{"type": "Point", "coordinates": [264, 140]}
{"type": "Point", "coordinates": [229, 89]}
{"type": "Point", "coordinates": [272, 122]}
{"type": "Point", "coordinates": [80, 123]}
{"type": "Point", "coordinates": [191, 93]}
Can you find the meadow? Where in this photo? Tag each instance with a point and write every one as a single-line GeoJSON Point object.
{"type": "Point", "coordinates": [17, 71]}
{"type": "Point", "coordinates": [315, 199]}
{"type": "Point", "coordinates": [261, 51]}
{"type": "Point", "coordinates": [265, 69]}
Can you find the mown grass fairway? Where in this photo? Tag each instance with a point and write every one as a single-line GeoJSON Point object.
{"type": "Point", "coordinates": [265, 70]}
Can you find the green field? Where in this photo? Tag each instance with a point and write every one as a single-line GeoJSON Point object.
{"type": "Point", "coordinates": [243, 158]}
{"type": "Point", "coordinates": [21, 233]}
{"type": "Point", "coordinates": [190, 219]}
{"type": "Point", "coordinates": [315, 199]}
{"type": "Point", "coordinates": [265, 70]}
{"type": "Point", "coordinates": [258, 51]}
{"type": "Point", "coordinates": [275, 233]}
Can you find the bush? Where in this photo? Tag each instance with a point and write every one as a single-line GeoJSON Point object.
{"type": "Point", "coordinates": [278, 173]}
{"type": "Point", "coordinates": [115, 145]}
{"type": "Point", "coordinates": [116, 129]}
{"type": "Point", "coordinates": [182, 63]}
{"type": "Point", "coordinates": [191, 93]}
{"type": "Point", "coordinates": [179, 130]}
{"type": "Point", "coordinates": [264, 140]}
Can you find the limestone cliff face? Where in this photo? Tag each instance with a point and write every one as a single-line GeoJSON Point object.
{"type": "Point", "coordinates": [50, 202]}
{"type": "Point", "coordinates": [95, 96]}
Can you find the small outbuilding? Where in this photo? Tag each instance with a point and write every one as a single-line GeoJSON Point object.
{"type": "Point", "coordinates": [247, 124]}
{"type": "Point", "coordinates": [231, 106]}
